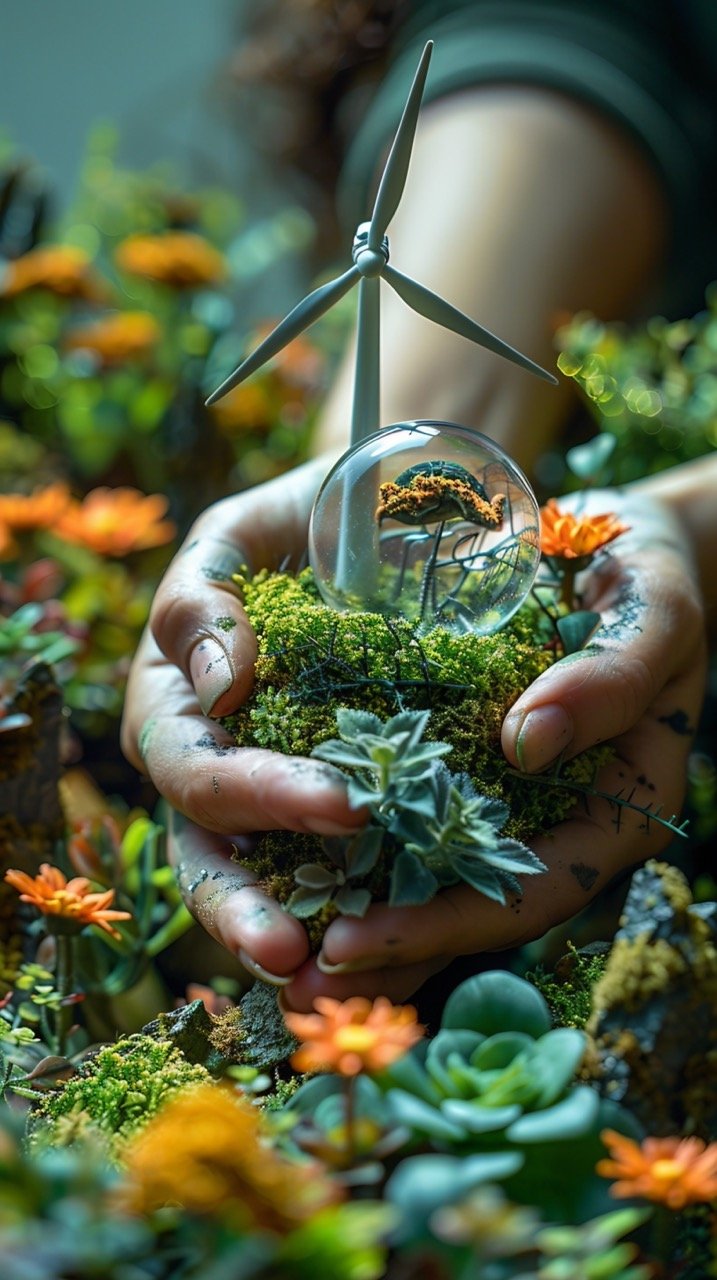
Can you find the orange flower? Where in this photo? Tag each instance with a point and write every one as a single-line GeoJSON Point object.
{"type": "Point", "coordinates": [125, 335]}
{"type": "Point", "coordinates": [38, 510]}
{"type": "Point", "coordinates": [7, 543]}
{"type": "Point", "coordinates": [299, 362]}
{"type": "Point", "coordinates": [114, 522]}
{"type": "Point", "coordinates": [62, 269]}
{"type": "Point", "coordinates": [54, 895]}
{"type": "Point", "coordinates": [570, 537]}
{"type": "Point", "coordinates": [177, 258]}
{"type": "Point", "coordinates": [673, 1171]}
{"type": "Point", "coordinates": [248, 407]}
{"type": "Point", "coordinates": [207, 1152]}
{"type": "Point", "coordinates": [353, 1035]}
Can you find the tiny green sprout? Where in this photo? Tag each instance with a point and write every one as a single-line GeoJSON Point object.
{"type": "Point", "coordinates": [319, 885]}
{"type": "Point", "coordinates": [390, 754]}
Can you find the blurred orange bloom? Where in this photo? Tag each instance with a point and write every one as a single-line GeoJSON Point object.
{"type": "Point", "coordinates": [7, 544]}
{"type": "Point", "coordinates": [247, 407]}
{"type": "Point", "coordinates": [299, 362]}
{"type": "Point", "coordinates": [38, 510]}
{"type": "Point", "coordinates": [177, 258]}
{"type": "Point", "coordinates": [353, 1035]}
{"type": "Point", "coordinates": [672, 1171]}
{"type": "Point", "coordinates": [53, 894]}
{"type": "Point", "coordinates": [62, 269]}
{"type": "Point", "coordinates": [207, 1152]}
{"type": "Point", "coordinates": [115, 522]}
{"type": "Point", "coordinates": [569, 537]}
{"type": "Point", "coordinates": [125, 335]}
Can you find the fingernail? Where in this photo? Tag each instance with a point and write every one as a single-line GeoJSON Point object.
{"type": "Point", "coordinates": [543, 734]}
{"type": "Point", "coordinates": [210, 672]}
{"type": "Point", "coordinates": [258, 970]}
{"type": "Point", "coordinates": [324, 967]}
{"type": "Point", "coordinates": [322, 826]}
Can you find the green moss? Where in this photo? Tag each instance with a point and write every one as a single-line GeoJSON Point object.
{"type": "Point", "coordinates": [313, 659]}
{"type": "Point", "coordinates": [568, 990]}
{"type": "Point", "coordinates": [120, 1089]}
{"type": "Point", "coordinates": [225, 623]}
{"type": "Point", "coordinates": [227, 1034]}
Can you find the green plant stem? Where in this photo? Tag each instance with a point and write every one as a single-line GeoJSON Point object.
{"type": "Point", "coordinates": [64, 943]}
{"type": "Point", "coordinates": [663, 1235]}
{"type": "Point", "coordinates": [567, 588]}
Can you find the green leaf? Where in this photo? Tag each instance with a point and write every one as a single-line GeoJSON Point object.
{"type": "Point", "coordinates": [306, 902]}
{"type": "Point", "coordinates": [576, 629]}
{"type": "Point", "coordinates": [351, 723]}
{"type": "Point", "coordinates": [586, 460]}
{"type": "Point", "coordinates": [409, 1075]}
{"type": "Point", "coordinates": [499, 1050]}
{"type": "Point", "coordinates": [312, 876]}
{"type": "Point", "coordinates": [571, 1118]}
{"type": "Point", "coordinates": [556, 1058]}
{"type": "Point", "coordinates": [497, 1001]}
{"type": "Point", "coordinates": [363, 850]}
{"type": "Point", "coordinates": [352, 902]}
{"type": "Point", "coordinates": [445, 1046]}
{"type": "Point", "coordinates": [412, 884]}
{"type": "Point", "coordinates": [477, 1119]}
{"type": "Point", "coordinates": [422, 1184]}
{"type": "Point", "coordinates": [421, 1117]}
{"type": "Point", "coordinates": [360, 793]}
{"type": "Point", "coordinates": [479, 876]}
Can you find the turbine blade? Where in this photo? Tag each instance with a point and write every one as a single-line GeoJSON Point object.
{"type": "Point", "coordinates": [393, 178]}
{"type": "Point", "coordinates": [302, 315]}
{"type": "Point", "coordinates": [434, 308]}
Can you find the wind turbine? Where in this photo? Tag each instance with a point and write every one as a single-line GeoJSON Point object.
{"type": "Point", "coordinates": [370, 266]}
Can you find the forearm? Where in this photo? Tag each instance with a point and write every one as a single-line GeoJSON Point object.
{"type": "Point", "coordinates": [690, 491]}
{"type": "Point", "coordinates": [521, 206]}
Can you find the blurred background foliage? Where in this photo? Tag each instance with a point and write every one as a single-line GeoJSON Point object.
{"type": "Point", "coordinates": [116, 320]}
{"type": "Point", "coordinates": [652, 386]}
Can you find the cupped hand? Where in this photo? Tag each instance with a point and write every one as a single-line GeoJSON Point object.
{"type": "Point", "coordinates": [639, 684]}
{"type": "Point", "coordinates": [196, 662]}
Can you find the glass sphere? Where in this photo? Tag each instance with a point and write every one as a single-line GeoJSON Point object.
{"type": "Point", "coordinates": [428, 521]}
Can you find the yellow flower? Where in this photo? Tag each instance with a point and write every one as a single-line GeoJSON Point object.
{"type": "Point", "coordinates": [62, 269]}
{"type": "Point", "coordinates": [672, 1171]}
{"type": "Point", "coordinates": [115, 522]}
{"type": "Point", "coordinates": [353, 1035]}
{"type": "Point", "coordinates": [205, 1152]}
{"type": "Point", "coordinates": [177, 258]}
{"type": "Point", "coordinates": [570, 537]}
{"type": "Point", "coordinates": [53, 894]}
{"type": "Point", "coordinates": [125, 335]}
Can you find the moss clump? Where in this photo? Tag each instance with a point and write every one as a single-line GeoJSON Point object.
{"type": "Point", "coordinates": [313, 660]}
{"type": "Point", "coordinates": [227, 1034]}
{"type": "Point", "coordinates": [225, 623]}
{"type": "Point", "coordinates": [119, 1090]}
{"type": "Point", "coordinates": [568, 990]}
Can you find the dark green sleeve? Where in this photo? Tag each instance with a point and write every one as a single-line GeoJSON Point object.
{"type": "Point", "coordinates": [641, 64]}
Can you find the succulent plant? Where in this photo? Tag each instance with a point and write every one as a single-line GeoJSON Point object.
{"type": "Point", "coordinates": [497, 1079]}
{"type": "Point", "coordinates": [440, 829]}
